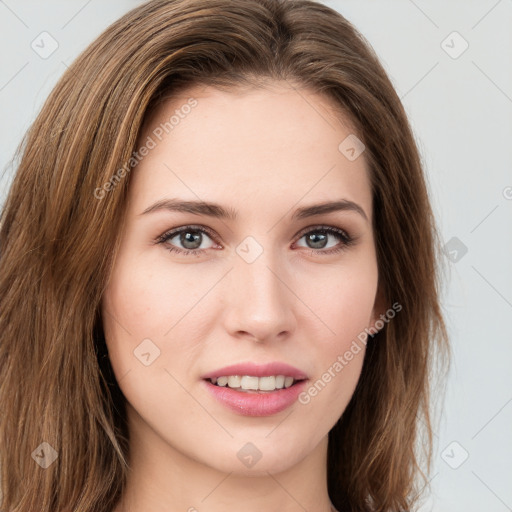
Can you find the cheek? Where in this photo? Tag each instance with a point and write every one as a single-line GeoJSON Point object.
{"type": "Point", "coordinates": [147, 300]}
{"type": "Point", "coordinates": [343, 299]}
{"type": "Point", "coordinates": [344, 302]}
{"type": "Point", "coordinates": [133, 312]}
{"type": "Point", "coordinates": [147, 308]}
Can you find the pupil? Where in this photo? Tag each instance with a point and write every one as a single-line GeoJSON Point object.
{"type": "Point", "coordinates": [187, 239]}
{"type": "Point", "coordinates": [318, 241]}
{"type": "Point", "coordinates": [190, 239]}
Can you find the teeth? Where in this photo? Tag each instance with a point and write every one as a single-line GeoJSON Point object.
{"type": "Point", "coordinates": [251, 383]}
{"type": "Point", "coordinates": [267, 383]}
{"type": "Point", "coordinates": [222, 381]}
{"type": "Point", "coordinates": [234, 381]}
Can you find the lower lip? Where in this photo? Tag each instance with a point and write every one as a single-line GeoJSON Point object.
{"type": "Point", "coordinates": [256, 404]}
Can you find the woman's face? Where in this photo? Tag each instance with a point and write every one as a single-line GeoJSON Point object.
{"type": "Point", "coordinates": [268, 280]}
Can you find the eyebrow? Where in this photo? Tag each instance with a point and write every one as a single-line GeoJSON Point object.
{"type": "Point", "coordinates": [218, 211]}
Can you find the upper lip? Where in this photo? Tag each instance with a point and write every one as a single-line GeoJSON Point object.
{"type": "Point", "coordinates": [258, 370]}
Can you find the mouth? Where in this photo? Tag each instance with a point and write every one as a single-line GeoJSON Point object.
{"type": "Point", "coordinates": [251, 389]}
{"type": "Point", "coordinates": [254, 384]}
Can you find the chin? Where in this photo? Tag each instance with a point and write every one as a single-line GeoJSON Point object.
{"type": "Point", "coordinates": [258, 456]}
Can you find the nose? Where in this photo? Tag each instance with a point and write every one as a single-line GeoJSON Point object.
{"type": "Point", "coordinates": [258, 303]}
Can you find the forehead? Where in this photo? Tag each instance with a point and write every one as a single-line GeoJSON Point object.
{"type": "Point", "coordinates": [275, 143]}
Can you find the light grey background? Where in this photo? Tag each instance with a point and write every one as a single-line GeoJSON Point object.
{"type": "Point", "coordinates": [460, 107]}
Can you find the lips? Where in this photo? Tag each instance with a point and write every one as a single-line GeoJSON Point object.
{"type": "Point", "coordinates": [256, 403]}
{"type": "Point", "coordinates": [258, 370]}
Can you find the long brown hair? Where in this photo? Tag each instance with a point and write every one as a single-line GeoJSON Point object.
{"type": "Point", "coordinates": [61, 223]}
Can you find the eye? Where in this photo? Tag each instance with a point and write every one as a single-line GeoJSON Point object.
{"type": "Point", "coordinates": [191, 238]}
{"type": "Point", "coordinates": [318, 238]}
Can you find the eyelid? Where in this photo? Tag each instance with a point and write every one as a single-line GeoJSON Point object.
{"type": "Point", "coordinates": [346, 238]}
{"type": "Point", "coordinates": [213, 235]}
{"type": "Point", "coordinates": [174, 231]}
{"type": "Point", "coordinates": [320, 227]}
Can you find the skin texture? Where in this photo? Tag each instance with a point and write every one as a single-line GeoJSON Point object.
{"type": "Point", "coordinates": [263, 152]}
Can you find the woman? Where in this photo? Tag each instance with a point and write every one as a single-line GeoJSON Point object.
{"type": "Point", "coordinates": [218, 273]}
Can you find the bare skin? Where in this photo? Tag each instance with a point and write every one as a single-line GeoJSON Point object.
{"type": "Point", "coordinates": [264, 153]}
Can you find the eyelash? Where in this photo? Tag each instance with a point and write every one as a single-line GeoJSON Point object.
{"type": "Point", "coordinates": [342, 235]}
